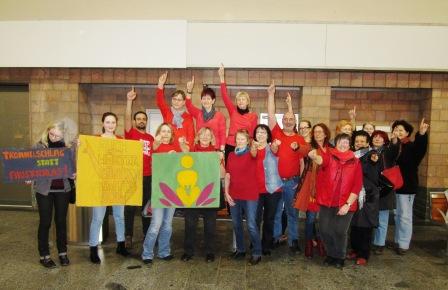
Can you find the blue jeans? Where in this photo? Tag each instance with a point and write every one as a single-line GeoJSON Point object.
{"type": "Point", "coordinates": [403, 220]}
{"type": "Point", "coordinates": [289, 191]}
{"type": "Point", "coordinates": [97, 222]}
{"type": "Point", "coordinates": [310, 228]}
{"type": "Point", "coordinates": [161, 226]}
{"type": "Point", "coordinates": [250, 208]}
{"type": "Point", "coordinates": [381, 231]}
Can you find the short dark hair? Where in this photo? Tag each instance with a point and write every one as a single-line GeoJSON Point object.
{"type": "Point", "coordinates": [266, 128]}
{"type": "Point", "coordinates": [381, 134]}
{"type": "Point", "coordinates": [326, 132]}
{"type": "Point", "coordinates": [140, 112]}
{"type": "Point", "coordinates": [208, 91]}
{"type": "Point", "coordinates": [178, 92]}
{"type": "Point", "coordinates": [341, 136]}
{"type": "Point", "coordinates": [360, 133]}
{"type": "Point", "coordinates": [407, 127]}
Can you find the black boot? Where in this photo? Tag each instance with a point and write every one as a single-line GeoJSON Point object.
{"type": "Point", "coordinates": [94, 258]}
{"type": "Point", "coordinates": [121, 249]}
{"type": "Point", "coordinates": [295, 248]}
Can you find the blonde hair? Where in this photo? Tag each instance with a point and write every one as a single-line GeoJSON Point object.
{"type": "Point", "coordinates": [201, 131]}
{"type": "Point", "coordinates": [245, 95]}
{"type": "Point", "coordinates": [68, 128]}
{"type": "Point", "coordinates": [341, 124]}
{"type": "Point", "coordinates": [169, 126]}
{"type": "Point", "coordinates": [243, 132]}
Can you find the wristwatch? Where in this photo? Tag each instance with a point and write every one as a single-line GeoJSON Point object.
{"type": "Point", "coordinates": [349, 204]}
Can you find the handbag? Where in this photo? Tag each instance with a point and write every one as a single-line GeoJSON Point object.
{"type": "Point", "coordinates": [307, 188]}
{"type": "Point", "coordinates": [393, 175]}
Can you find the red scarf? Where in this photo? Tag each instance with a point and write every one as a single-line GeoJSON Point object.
{"type": "Point", "coordinates": [405, 140]}
{"type": "Point", "coordinates": [342, 156]}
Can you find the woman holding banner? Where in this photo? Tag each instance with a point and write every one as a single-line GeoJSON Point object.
{"type": "Point", "coordinates": [162, 218]}
{"type": "Point", "coordinates": [54, 194]}
{"type": "Point", "coordinates": [109, 120]}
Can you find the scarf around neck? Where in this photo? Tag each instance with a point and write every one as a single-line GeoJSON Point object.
{"type": "Point", "coordinates": [342, 156]}
{"type": "Point", "coordinates": [177, 117]}
{"type": "Point", "coordinates": [207, 116]}
{"type": "Point", "coordinates": [241, 151]}
{"type": "Point", "coordinates": [241, 111]}
{"type": "Point", "coordinates": [405, 140]}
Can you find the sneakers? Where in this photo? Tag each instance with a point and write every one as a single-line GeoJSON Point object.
{"type": "Point", "coordinates": [63, 259]}
{"type": "Point", "coordinates": [238, 255]}
{"type": "Point", "coordinates": [94, 258]}
{"type": "Point", "coordinates": [121, 249]}
{"type": "Point", "coordinates": [168, 258]}
{"type": "Point", "coordinates": [47, 263]}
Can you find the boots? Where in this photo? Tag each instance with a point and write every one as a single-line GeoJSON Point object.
{"type": "Point", "coordinates": [309, 249]}
{"type": "Point", "coordinates": [321, 248]}
{"type": "Point", "coordinates": [121, 249]}
{"type": "Point", "coordinates": [94, 258]}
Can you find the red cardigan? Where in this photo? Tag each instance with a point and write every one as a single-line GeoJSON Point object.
{"type": "Point", "coordinates": [237, 121]}
{"type": "Point", "coordinates": [187, 129]}
{"type": "Point", "coordinates": [217, 124]}
{"type": "Point", "coordinates": [339, 175]}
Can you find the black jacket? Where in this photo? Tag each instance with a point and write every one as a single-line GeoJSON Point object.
{"type": "Point", "coordinates": [410, 157]}
{"type": "Point", "coordinates": [367, 216]}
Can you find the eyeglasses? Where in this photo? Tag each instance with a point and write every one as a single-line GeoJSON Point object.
{"type": "Point", "coordinates": [177, 99]}
{"type": "Point", "coordinates": [54, 136]}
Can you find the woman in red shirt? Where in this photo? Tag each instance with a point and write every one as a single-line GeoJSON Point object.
{"type": "Point", "coordinates": [162, 218]}
{"type": "Point", "coordinates": [241, 193]}
{"type": "Point", "coordinates": [207, 116]}
{"type": "Point", "coordinates": [240, 115]}
{"type": "Point", "coordinates": [339, 182]}
{"type": "Point", "coordinates": [269, 183]}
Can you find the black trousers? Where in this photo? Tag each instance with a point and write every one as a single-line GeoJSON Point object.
{"type": "Point", "coordinates": [267, 207]}
{"type": "Point", "coordinates": [227, 149]}
{"type": "Point", "coordinates": [45, 203]}
{"type": "Point", "coordinates": [191, 222]}
{"type": "Point", "coordinates": [129, 211]}
{"type": "Point", "coordinates": [360, 239]}
{"type": "Point", "coordinates": [334, 231]}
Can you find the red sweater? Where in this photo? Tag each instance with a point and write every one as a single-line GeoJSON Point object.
{"type": "Point", "coordinates": [243, 181]}
{"type": "Point", "coordinates": [187, 129]}
{"type": "Point", "coordinates": [217, 124]}
{"type": "Point", "coordinates": [237, 121]}
{"type": "Point", "coordinates": [339, 175]}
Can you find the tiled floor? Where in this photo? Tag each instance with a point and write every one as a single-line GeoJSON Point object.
{"type": "Point", "coordinates": [422, 268]}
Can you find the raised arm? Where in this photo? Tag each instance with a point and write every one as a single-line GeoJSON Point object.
{"type": "Point", "coordinates": [289, 103]}
{"type": "Point", "coordinates": [224, 94]}
{"type": "Point", "coordinates": [131, 95]}
{"type": "Point", "coordinates": [192, 109]}
{"type": "Point", "coordinates": [160, 95]}
{"type": "Point", "coordinates": [352, 115]}
{"type": "Point", "coordinates": [272, 121]}
{"type": "Point", "coordinates": [421, 141]}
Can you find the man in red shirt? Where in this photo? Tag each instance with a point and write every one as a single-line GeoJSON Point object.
{"type": "Point", "coordinates": [291, 150]}
{"type": "Point", "coordinates": [176, 114]}
{"type": "Point", "coordinates": [138, 133]}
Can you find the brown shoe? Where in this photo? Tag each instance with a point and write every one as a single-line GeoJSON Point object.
{"type": "Point", "coordinates": [401, 251]}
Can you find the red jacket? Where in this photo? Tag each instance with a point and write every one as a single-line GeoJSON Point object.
{"type": "Point", "coordinates": [340, 174]}
{"type": "Point", "coordinates": [187, 129]}
{"type": "Point", "coordinates": [217, 124]}
{"type": "Point", "coordinates": [237, 121]}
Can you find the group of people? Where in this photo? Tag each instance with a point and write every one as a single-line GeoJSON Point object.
{"type": "Point", "coordinates": [269, 172]}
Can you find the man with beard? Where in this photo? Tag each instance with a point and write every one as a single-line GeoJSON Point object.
{"type": "Point", "coordinates": [292, 148]}
{"type": "Point", "coordinates": [138, 133]}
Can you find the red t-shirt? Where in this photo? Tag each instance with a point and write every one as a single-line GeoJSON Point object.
{"type": "Point", "coordinates": [288, 159]}
{"type": "Point", "coordinates": [165, 148]}
{"type": "Point", "coordinates": [199, 148]}
{"type": "Point", "coordinates": [243, 181]}
{"type": "Point", "coordinates": [147, 141]}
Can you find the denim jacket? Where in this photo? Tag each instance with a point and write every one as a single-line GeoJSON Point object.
{"type": "Point", "coordinates": [272, 178]}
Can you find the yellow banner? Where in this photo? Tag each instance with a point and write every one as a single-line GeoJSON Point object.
{"type": "Point", "coordinates": [109, 172]}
